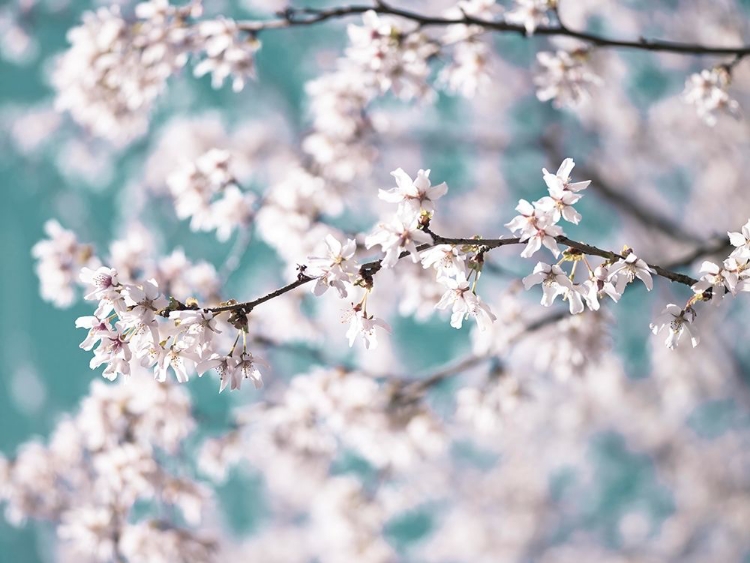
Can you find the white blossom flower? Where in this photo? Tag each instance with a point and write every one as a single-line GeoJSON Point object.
{"type": "Point", "coordinates": [247, 368]}
{"type": "Point", "coordinates": [447, 259]}
{"type": "Point", "coordinates": [561, 180]}
{"type": "Point", "coordinates": [603, 283]}
{"type": "Point", "coordinates": [199, 326]}
{"type": "Point", "coordinates": [180, 357]}
{"type": "Point", "coordinates": [560, 205]}
{"type": "Point", "coordinates": [707, 92]}
{"type": "Point", "coordinates": [536, 226]}
{"type": "Point", "coordinates": [103, 282]}
{"type": "Point", "coordinates": [741, 240]}
{"type": "Point", "coordinates": [626, 270]}
{"type": "Point", "coordinates": [468, 72]}
{"type": "Point", "coordinates": [396, 58]}
{"type": "Point", "coordinates": [564, 78]}
{"type": "Point", "coordinates": [402, 233]}
{"type": "Point", "coordinates": [553, 279]}
{"type": "Point", "coordinates": [336, 269]}
{"type": "Point", "coordinates": [464, 303]}
{"type": "Point", "coordinates": [360, 323]}
{"type": "Point", "coordinates": [98, 329]}
{"type": "Point", "coordinates": [678, 321]}
{"type": "Point", "coordinates": [720, 279]}
{"type": "Point", "coordinates": [530, 14]}
{"type": "Point", "coordinates": [60, 258]}
{"type": "Point", "coordinates": [228, 54]}
{"type": "Point", "coordinates": [114, 351]}
{"type": "Point", "coordinates": [415, 195]}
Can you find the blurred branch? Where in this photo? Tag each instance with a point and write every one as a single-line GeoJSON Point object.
{"type": "Point", "coordinates": [705, 249]}
{"type": "Point", "coordinates": [472, 360]}
{"type": "Point", "coordinates": [292, 17]}
{"type": "Point", "coordinates": [622, 199]}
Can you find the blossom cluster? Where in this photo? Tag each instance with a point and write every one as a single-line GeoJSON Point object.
{"type": "Point", "coordinates": [537, 226]}
{"type": "Point", "coordinates": [116, 68]}
{"type": "Point", "coordinates": [707, 92]}
{"type": "Point", "coordinates": [119, 451]}
{"type": "Point", "coordinates": [126, 331]}
{"type": "Point", "coordinates": [206, 192]}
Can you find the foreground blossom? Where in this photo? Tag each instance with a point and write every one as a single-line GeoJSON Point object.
{"type": "Point", "coordinates": [678, 321]}
{"type": "Point", "coordinates": [401, 234]}
{"type": "Point", "coordinates": [336, 269]}
{"type": "Point", "coordinates": [362, 324]}
{"type": "Point", "coordinates": [413, 195]}
{"type": "Point", "coordinates": [625, 270]}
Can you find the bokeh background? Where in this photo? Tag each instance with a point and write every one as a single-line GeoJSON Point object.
{"type": "Point", "coordinates": [662, 180]}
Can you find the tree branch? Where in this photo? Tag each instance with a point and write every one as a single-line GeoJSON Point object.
{"type": "Point", "coordinates": [293, 17]}
{"type": "Point", "coordinates": [368, 270]}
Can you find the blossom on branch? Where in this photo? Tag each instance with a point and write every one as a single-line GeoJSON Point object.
{"type": "Point", "coordinates": [678, 321]}
{"type": "Point", "coordinates": [464, 303]}
{"type": "Point", "coordinates": [537, 226]}
{"type": "Point", "coordinates": [564, 78]}
{"type": "Point", "coordinates": [530, 14]}
{"type": "Point", "coordinates": [707, 92]}
{"type": "Point", "coordinates": [401, 234]}
{"type": "Point", "coordinates": [336, 269]}
{"type": "Point", "coordinates": [625, 270]}
{"type": "Point", "coordinates": [413, 196]}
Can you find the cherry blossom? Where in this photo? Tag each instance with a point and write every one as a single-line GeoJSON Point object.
{"type": "Point", "coordinates": [448, 260]}
{"type": "Point", "coordinates": [553, 280]}
{"type": "Point", "coordinates": [401, 234]}
{"type": "Point", "coordinates": [360, 323]}
{"type": "Point", "coordinates": [530, 14]}
{"type": "Point", "coordinates": [336, 269]}
{"type": "Point", "coordinates": [707, 92]}
{"type": "Point", "coordinates": [464, 303]}
{"type": "Point", "coordinates": [678, 321]}
{"type": "Point", "coordinates": [741, 240]}
{"type": "Point", "coordinates": [536, 226]}
{"type": "Point", "coordinates": [625, 270]}
{"type": "Point", "coordinates": [720, 279]}
{"type": "Point", "coordinates": [564, 78]}
{"type": "Point", "coordinates": [227, 53]}
{"type": "Point", "coordinates": [413, 195]}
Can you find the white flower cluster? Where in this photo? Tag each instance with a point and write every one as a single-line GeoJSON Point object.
{"type": "Point", "coordinates": [537, 224]}
{"type": "Point", "coordinates": [468, 71]}
{"type": "Point", "coordinates": [60, 259]}
{"type": "Point", "coordinates": [395, 57]}
{"type": "Point", "coordinates": [338, 141]}
{"type": "Point", "coordinates": [530, 14]}
{"type": "Point", "coordinates": [329, 409]}
{"type": "Point", "coordinates": [61, 255]}
{"type": "Point", "coordinates": [415, 199]}
{"type": "Point", "coordinates": [564, 78]}
{"type": "Point", "coordinates": [127, 331]}
{"type": "Point", "coordinates": [716, 282]}
{"type": "Point", "coordinates": [115, 69]}
{"type": "Point", "coordinates": [119, 450]}
{"type": "Point", "coordinates": [707, 91]}
{"type": "Point", "coordinates": [228, 54]}
{"type": "Point", "coordinates": [206, 192]}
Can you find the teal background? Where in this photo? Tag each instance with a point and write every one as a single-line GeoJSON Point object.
{"type": "Point", "coordinates": [36, 338]}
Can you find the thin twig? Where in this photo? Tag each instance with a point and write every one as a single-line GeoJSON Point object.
{"type": "Point", "coordinates": [293, 17]}
{"type": "Point", "coordinates": [371, 268]}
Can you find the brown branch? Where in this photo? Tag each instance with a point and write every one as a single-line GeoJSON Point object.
{"type": "Point", "coordinates": [471, 360]}
{"type": "Point", "coordinates": [293, 17]}
{"type": "Point", "coordinates": [368, 270]}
